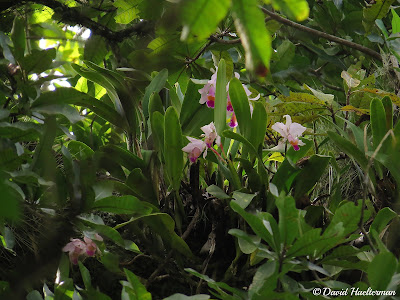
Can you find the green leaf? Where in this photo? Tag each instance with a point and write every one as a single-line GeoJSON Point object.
{"type": "Point", "coordinates": [122, 205]}
{"type": "Point", "coordinates": [220, 98]}
{"type": "Point", "coordinates": [258, 124]}
{"type": "Point", "coordinates": [79, 150]}
{"type": "Point", "coordinates": [381, 270]}
{"type": "Point", "coordinates": [377, 10]}
{"type": "Point", "coordinates": [4, 42]}
{"type": "Point", "coordinates": [21, 131]}
{"type": "Point", "coordinates": [184, 297]}
{"type": "Point", "coordinates": [289, 219]}
{"type": "Point", "coordinates": [173, 147]}
{"type": "Point", "coordinates": [164, 225]}
{"type": "Point", "coordinates": [11, 202]}
{"type": "Point", "coordinates": [138, 288]}
{"type": "Point", "coordinates": [69, 112]}
{"type": "Point", "coordinates": [34, 295]}
{"type": "Point", "coordinates": [310, 174]}
{"type": "Point", "coordinates": [378, 121]}
{"type": "Point", "coordinates": [155, 86]}
{"type": "Point", "coordinates": [283, 56]}
{"type": "Point", "coordinates": [18, 37]}
{"type": "Point", "coordinates": [243, 199]}
{"type": "Point", "coordinates": [395, 22]}
{"type": "Point", "coordinates": [72, 96]}
{"type": "Point", "coordinates": [235, 136]}
{"type": "Point", "coordinates": [201, 17]}
{"type": "Point", "coordinates": [240, 103]}
{"type": "Point", "coordinates": [104, 230]}
{"type": "Point", "coordinates": [127, 11]}
{"type": "Point", "coordinates": [247, 243]}
{"type": "Point", "coordinates": [142, 186]}
{"type": "Point", "coordinates": [122, 156]}
{"type": "Point", "coordinates": [264, 225]}
{"type": "Point", "coordinates": [256, 40]}
{"type": "Point", "coordinates": [85, 275]}
{"type": "Point", "coordinates": [157, 130]}
{"type": "Point", "coordinates": [381, 220]}
{"type": "Point", "coordinates": [38, 61]}
{"type": "Point", "coordinates": [217, 192]}
{"type": "Point", "coordinates": [294, 9]}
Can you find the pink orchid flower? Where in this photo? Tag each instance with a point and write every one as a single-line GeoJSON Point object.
{"type": "Point", "coordinates": [210, 134]}
{"type": "Point", "coordinates": [290, 132]}
{"type": "Point", "coordinates": [208, 92]}
{"type": "Point", "coordinates": [91, 247]}
{"type": "Point", "coordinates": [75, 248]}
{"type": "Point", "coordinates": [194, 148]}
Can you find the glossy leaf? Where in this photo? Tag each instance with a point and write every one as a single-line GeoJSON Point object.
{"type": "Point", "coordinates": [240, 103]}
{"type": "Point", "coordinates": [220, 98]}
{"type": "Point", "coordinates": [173, 147]}
{"type": "Point", "coordinates": [122, 205]}
{"type": "Point", "coordinates": [381, 270]}
{"type": "Point", "coordinates": [243, 199]}
{"type": "Point", "coordinates": [256, 40]}
{"type": "Point", "coordinates": [201, 17]}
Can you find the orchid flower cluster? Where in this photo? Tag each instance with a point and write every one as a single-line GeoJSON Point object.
{"type": "Point", "coordinates": [290, 132]}
{"type": "Point", "coordinates": [77, 248]}
{"type": "Point", "coordinates": [196, 146]}
{"type": "Point", "coordinates": [208, 97]}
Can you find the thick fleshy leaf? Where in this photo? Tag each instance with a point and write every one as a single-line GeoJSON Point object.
{"type": "Point", "coordinates": [220, 98]}
{"type": "Point", "coordinates": [155, 86]}
{"type": "Point", "coordinates": [258, 124]}
{"type": "Point", "coordinates": [173, 147]}
{"type": "Point", "coordinates": [18, 37]}
{"type": "Point", "coordinates": [201, 17]}
{"type": "Point", "coordinates": [256, 40]}
{"type": "Point", "coordinates": [377, 10]}
{"type": "Point", "coordinates": [122, 205]}
{"type": "Point", "coordinates": [240, 103]}
{"type": "Point", "coordinates": [381, 270]}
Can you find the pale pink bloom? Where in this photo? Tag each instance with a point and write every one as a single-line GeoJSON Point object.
{"type": "Point", "coordinates": [210, 134]}
{"type": "Point", "coordinates": [91, 247]}
{"type": "Point", "coordinates": [194, 148]}
{"type": "Point", "coordinates": [208, 92]}
{"type": "Point", "coordinates": [75, 248]}
{"type": "Point", "coordinates": [290, 132]}
{"type": "Point", "coordinates": [233, 121]}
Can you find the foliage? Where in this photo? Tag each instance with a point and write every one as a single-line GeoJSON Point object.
{"type": "Point", "coordinates": [143, 153]}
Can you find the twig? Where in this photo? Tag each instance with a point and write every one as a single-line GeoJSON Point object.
{"type": "Point", "coordinates": [324, 35]}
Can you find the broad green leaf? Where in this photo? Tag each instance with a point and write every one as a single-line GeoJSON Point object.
{"type": "Point", "coordinates": [378, 121]}
{"type": "Point", "coordinates": [301, 97]}
{"type": "Point", "coordinates": [164, 225]}
{"type": "Point", "coordinates": [20, 131]}
{"type": "Point", "coordinates": [142, 186]}
{"type": "Point", "coordinates": [348, 215]}
{"type": "Point", "coordinates": [310, 174]}
{"type": "Point", "coordinates": [138, 288]}
{"type": "Point", "coordinates": [247, 243]}
{"type": "Point", "coordinates": [294, 9]}
{"type": "Point", "coordinates": [256, 40]}
{"type": "Point", "coordinates": [308, 244]}
{"type": "Point", "coordinates": [258, 125]}
{"type": "Point", "coordinates": [265, 280]}
{"type": "Point", "coordinates": [235, 136]}
{"type": "Point", "coordinates": [283, 56]}
{"type": "Point", "coordinates": [264, 225]}
{"type": "Point", "coordinates": [4, 42]}
{"type": "Point", "coordinates": [79, 150]}
{"type": "Point", "coordinates": [377, 10]}
{"type": "Point", "coordinates": [173, 147]}
{"type": "Point", "coordinates": [240, 103]}
{"type": "Point", "coordinates": [220, 98]}
{"type": "Point", "coordinates": [289, 219]}
{"type": "Point", "coordinates": [217, 192]}
{"type": "Point", "coordinates": [104, 230]}
{"type": "Point", "coordinates": [127, 11]}
{"type": "Point", "coordinates": [381, 270]}
{"type": "Point", "coordinates": [38, 61]}
{"type": "Point", "coordinates": [34, 295]}
{"type": "Point", "coordinates": [122, 205]}
{"type": "Point", "coordinates": [11, 202]}
{"type": "Point", "coordinates": [122, 156]}
{"type": "Point", "coordinates": [243, 199]}
{"type": "Point", "coordinates": [381, 220]}
{"type": "Point", "coordinates": [18, 37]}
{"type": "Point", "coordinates": [388, 106]}
{"type": "Point", "coordinates": [157, 129]}
{"type": "Point", "coordinates": [155, 86]}
{"type": "Point", "coordinates": [184, 297]}
{"type": "Point", "coordinates": [69, 112]}
{"type": "Point", "coordinates": [395, 22]}
{"type": "Point", "coordinates": [201, 17]}
{"type": "Point", "coordinates": [155, 104]}
{"type": "Point", "coordinates": [85, 275]}
{"type": "Point", "coordinates": [72, 96]}
{"type": "Point", "coordinates": [110, 261]}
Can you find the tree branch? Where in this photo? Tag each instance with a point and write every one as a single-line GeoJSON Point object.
{"type": "Point", "coordinates": [324, 35]}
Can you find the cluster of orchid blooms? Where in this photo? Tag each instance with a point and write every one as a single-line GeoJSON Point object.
{"type": "Point", "coordinates": [78, 248]}
{"type": "Point", "coordinates": [208, 97]}
{"type": "Point", "coordinates": [290, 131]}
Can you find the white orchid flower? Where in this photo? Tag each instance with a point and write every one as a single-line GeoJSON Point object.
{"type": "Point", "coordinates": [290, 132]}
